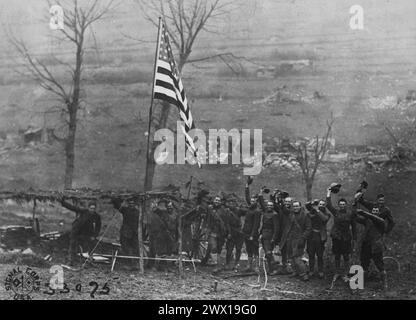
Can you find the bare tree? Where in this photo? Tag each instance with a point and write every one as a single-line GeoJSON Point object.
{"type": "Point", "coordinates": [78, 19]}
{"type": "Point", "coordinates": [310, 156]}
{"type": "Point", "coordinates": [399, 122]}
{"type": "Point", "coordinates": [185, 20]}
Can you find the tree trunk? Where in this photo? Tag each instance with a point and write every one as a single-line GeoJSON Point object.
{"type": "Point", "coordinates": [73, 107]}
{"type": "Point", "coordinates": [309, 185]}
{"type": "Point", "coordinates": [70, 150]}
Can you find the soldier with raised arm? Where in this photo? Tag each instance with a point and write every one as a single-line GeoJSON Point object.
{"type": "Point", "coordinates": [85, 228]}
{"type": "Point", "coordinates": [129, 235]}
{"type": "Point", "coordinates": [251, 228]}
{"type": "Point", "coordinates": [269, 230]}
{"type": "Point", "coordinates": [375, 226]}
{"type": "Point", "coordinates": [344, 231]}
{"type": "Point", "coordinates": [319, 217]}
{"type": "Point", "coordinates": [283, 205]}
{"type": "Point", "coordinates": [385, 211]}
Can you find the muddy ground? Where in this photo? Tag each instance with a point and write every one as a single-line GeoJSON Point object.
{"type": "Point", "coordinates": [167, 285]}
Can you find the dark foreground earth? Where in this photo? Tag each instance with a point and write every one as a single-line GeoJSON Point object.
{"type": "Point", "coordinates": [98, 283]}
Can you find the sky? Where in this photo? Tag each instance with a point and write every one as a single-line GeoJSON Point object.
{"type": "Point", "coordinates": [388, 25]}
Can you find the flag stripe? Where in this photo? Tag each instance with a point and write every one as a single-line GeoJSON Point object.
{"type": "Point", "coordinates": [164, 84]}
{"type": "Point", "coordinates": [166, 92]}
{"type": "Point", "coordinates": [168, 87]}
{"type": "Point", "coordinates": [164, 71]}
{"type": "Point", "coordinates": [165, 97]}
{"type": "Point", "coordinates": [164, 65]}
{"type": "Point", "coordinates": [165, 78]}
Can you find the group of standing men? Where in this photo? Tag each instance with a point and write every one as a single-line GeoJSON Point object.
{"type": "Point", "coordinates": [282, 222]}
{"type": "Point", "coordinates": [279, 222]}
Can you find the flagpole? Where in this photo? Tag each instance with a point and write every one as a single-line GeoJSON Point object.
{"type": "Point", "coordinates": [148, 155]}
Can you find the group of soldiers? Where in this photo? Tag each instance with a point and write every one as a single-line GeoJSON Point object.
{"type": "Point", "coordinates": [278, 224]}
{"type": "Point", "coordinates": [282, 222]}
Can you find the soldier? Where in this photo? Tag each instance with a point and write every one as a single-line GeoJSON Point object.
{"type": "Point", "coordinates": [385, 212]}
{"type": "Point", "coordinates": [319, 217]}
{"type": "Point", "coordinates": [198, 225]}
{"type": "Point", "coordinates": [343, 232]}
{"type": "Point", "coordinates": [251, 229]}
{"type": "Point", "coordinates": [372, 246]}
{"type": "Point", "coordinates": [218, 230]}
{"type": "Point", "coordinates": [269, 226]}
{"type": "Point", "coordinates": [129, 237]}
{"type": "Point", "coordinates": [85, 228]}
{"type": "Point", "coordinates": [294, 237]}
{"type": "Point", "coordinates": [173, 214]}
{"type": "Point", "coordinates": [235, 238]}
{"type": "Point", "coordinates": [284, 208]}
{"type": "Point", "coordinates": [162, 232]}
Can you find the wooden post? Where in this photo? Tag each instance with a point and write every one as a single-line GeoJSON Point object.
{"type": "Point", "coordinates": [140, 231]}
{"type": "Point", "coordinates": [148, 180]}
{"type": "Point", "coordinates": [180, 245]}
{"type": "Point", "coordinates": [34, 210]}
{"type": "Point", "coordinates": [190, 187]}
{"type": "Point", "coordinates": [34, 224]}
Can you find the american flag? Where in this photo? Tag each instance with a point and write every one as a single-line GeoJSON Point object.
{"type": "Point", "coordinates": [168, 87]}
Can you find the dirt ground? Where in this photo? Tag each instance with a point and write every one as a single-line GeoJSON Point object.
{"type": "Point", "coordinates": [167, 285]}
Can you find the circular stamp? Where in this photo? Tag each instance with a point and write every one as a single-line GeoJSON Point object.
{"type": "Point", "coordinates": [22, 283]}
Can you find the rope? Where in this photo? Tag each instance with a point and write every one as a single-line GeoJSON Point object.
{"type": "Point", "coordinates": [265, 274]}
{"type": "Point", "coordinates": [262, 261]}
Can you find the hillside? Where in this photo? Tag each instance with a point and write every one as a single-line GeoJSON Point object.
{"type": "Point", "coordinates": [349, 67]}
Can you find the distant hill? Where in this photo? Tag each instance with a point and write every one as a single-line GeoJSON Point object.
{"type": "Point", "coordinates": [319, 26]}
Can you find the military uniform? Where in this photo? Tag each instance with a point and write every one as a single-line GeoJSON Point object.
{"type": "Point", "coordinates": [129, 236]}
{"type": "Point", "coordinates": [372, 245]}
{"type": "Point", "coordinates": [162, 232]}
{"type": "Point", "coordinates": [294, 237]}
{"type": "Point", "coordinates": [269, 229]}
{"type": "Point", "coordinates": [284, 221]}
{"type": "Point", "coordinates": [317, 238]}
{"type": "Point", "coordinates": [385, 213]}
{"type": "Point", "coordinates": [251, 227]}
{"type": "Point", "coordinates": [217, 230]}
{"type": "Point", "coordinates": [236, 237]}
{"type": "Point", "coordinates": [197, 228]}
{"type": "Point", "coordinates": [87, 225]}
{"type": "Point", "coordinates": [343, 232]}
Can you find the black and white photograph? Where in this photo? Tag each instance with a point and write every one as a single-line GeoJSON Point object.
{"type": "Point", "coordinates": [221, 151]}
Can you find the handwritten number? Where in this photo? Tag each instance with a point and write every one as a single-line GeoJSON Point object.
{"type": "Point", "coordinates": [65, 290]}
{"type": "Point", "coordinates": [105, 290]}
{"type": "Point", "coordinates": [95, 285]}
{"type": "Point", "coordinates": [50, 291]}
